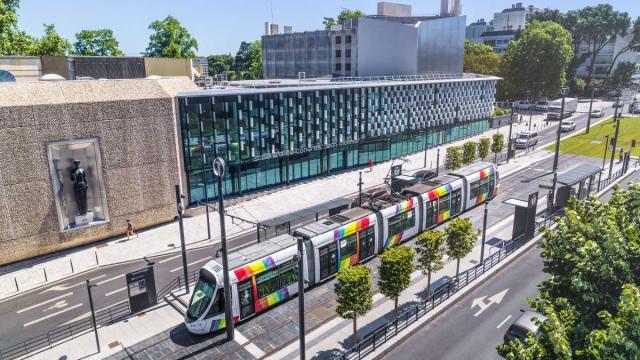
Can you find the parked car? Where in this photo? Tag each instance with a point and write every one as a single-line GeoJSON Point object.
{"type": "Point", "coordinates": [424, 175]}
{"type": "Point", "coordinates": [567, 125]}
{"type": "Point", "coordinates": [377, 193]}
{"type": "Point", "coordinates": [542, 105]}
{"type": "Point", "coordinates": [634, 108]}
{"type": "Point", "coordinates": [597, 113]}
{"type": "Point", "coordinates": [522, 105]}
{"type": "Point", "coordinates": [617, 104]}
{"type": "Point", "coordinates": [523, 326]}
{"type": "Point", "coordinates": [526, 139]}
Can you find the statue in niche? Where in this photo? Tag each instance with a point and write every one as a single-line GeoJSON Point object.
{"type": "Point", "coordinates": [79, 177]}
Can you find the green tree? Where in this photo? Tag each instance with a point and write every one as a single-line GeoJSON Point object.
{"type": "Point", "coordinates": [536, 63]}
{"type": "Point", "coordinates": [344, 15]}
{"type": "Point", "coordinates": [242, 60]}
{"type": "Point", "coordinates": [632, 45]}
{"type": "Point", "coordinates": [255, 60]}
{"type": "Point", "coordinates": [354, 294]}
{"type": "Point", "coordinates": [469, 152]}
{"type": "Point", "coordinates": [171, 40]}
{"type": "Point", "coordinates": [430, 248]}
{"type": "Point", "coordinates": [460, 239]}
{"type": "Point", "coordinates": [396, 266]}
{"type": "Point", "coordinates": [480, 59]}
{"type": "Point", "coordinates": [453, 160]}
{"type": "Point", "coordinates": [51, 43]}
{"type": "Point", "coordinates": [484, 146]}
{"type": "Point", "coordinates": [621, 76]}
{"type": "Point", "coordinates": [218, 64]}
{"type": "Point", "coordinates": [100, 42]}
{"type": "Point", "coordinates": [497, 145]}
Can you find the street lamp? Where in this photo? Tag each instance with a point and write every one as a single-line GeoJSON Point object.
{"type": "Point", "coordinates": [484, 229]}
{"type": "Point", "coordinates": [299, 257]}
{"type": "Point", "coordinates": [93, 313]}
{"type": "Point", "coordinates": [606, 145]}
{"type": "Point", "coordinates": [426, 142]}
{"type": "Point", "coordinates": [180, 209]}
{"type": "Point", "coordinates": [563, 92]}
{"type": "Point", "coordinates": [593, 89]}
{"type": "Point", "coordinates": [616, 118]}
{"type": "Point", "coordinates": [510, 132]}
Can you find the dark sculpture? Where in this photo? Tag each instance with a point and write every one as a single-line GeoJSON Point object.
{"type": "Point", "coordinates": [80, 186]}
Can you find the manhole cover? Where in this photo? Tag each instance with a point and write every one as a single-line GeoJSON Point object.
{"type": "Point", "coordinates": [113, 344]}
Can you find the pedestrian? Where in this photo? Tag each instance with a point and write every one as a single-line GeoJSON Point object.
{"type": "Point", "coordinates": [621, 154]}
{"type": "Point", "coordinates": [129, 229]}
{"type": "Point", "coordinates": [370, 165]}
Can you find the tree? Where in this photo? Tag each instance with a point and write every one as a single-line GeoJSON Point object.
{"type": "Point", "coordinates": [344, 15]}
{"type": "Point", "coordinates": [497, 145]}
{"type": "Point", "coordinates": [484, 147]}
{"type": "Point", "coordinates": [621, 76]}
{"type": "Point", "coordinates": [218, 64]}
{"type": "Point", "coordinates": [255, 60]}
{"type": "Point", "coordinates": [100, 42]}
{"type": "Point", "coordinates": [396, 266]}
{"type": "Point", "coordinates": [536, 63]}
{"type": "Point", "coordinates": [170, 39]}
{"type": "Point", "coordinates": [454, 158]}
{"type": "Point", "coordinates": [460, 239]}
{"type": "Point", "coordinates": [430, 249]}
{"type": "Point", "coordinates": [480, 59]}
{"type": "Point", "coordinates": [354, 294]}
{"type": "Point", "coordinates": [242, 60]}
{"type": "Point", "coordinates": [51, 43]}
{"type": "Point", "coordinates": [632, 45]}
{"type": "Point", "coordinates": [469, 151]}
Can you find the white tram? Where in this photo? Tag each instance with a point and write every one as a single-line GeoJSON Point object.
{"type": "Point", "coordinates": [265, 274]}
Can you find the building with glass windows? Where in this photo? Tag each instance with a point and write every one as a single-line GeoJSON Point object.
{"type": "Point", "coordinates": [272, 134]}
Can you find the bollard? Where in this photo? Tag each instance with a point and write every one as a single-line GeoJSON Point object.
{"type": "Point", "coordinates": [44, 270]}
{"type": "Point", "coordinates": [96, 252]}
{"type": "Point", "coordinates": [16, 281]}
{"type": "Point", "coordinates": [71, 262]}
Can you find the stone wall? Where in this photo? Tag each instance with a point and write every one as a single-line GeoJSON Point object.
{"type": "Point", "coordinates": [135, 124]}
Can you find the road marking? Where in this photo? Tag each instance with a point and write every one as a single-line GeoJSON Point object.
{"type": "Point", "coordinates": [115, 291]}
{"type": "Point", "coordinates": [110, 279]}
{"type": "Point", "coordinates": [503, 321]}
{"type": "Point", "coordinates": [494, 299]}
{"type": "Point", "coordinates": [51, 315]}
{"type": "Point", "coordinates": [250, 347]}
{"type": "Point", "coordinates": [44, 302]}
{"type": "Point", "coordinates": [58, 305]}
{"type": "Point", "coordinates": [169, 259]}
{"type": "Point", "coordinates": [191, 263]}
{"type": "Point", "coordinates": [64, 287]}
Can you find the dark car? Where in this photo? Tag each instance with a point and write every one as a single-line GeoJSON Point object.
{"type": "Point", "coordinates": [377, 193]}
{"type": "Point", "coordinates": [424, 175]}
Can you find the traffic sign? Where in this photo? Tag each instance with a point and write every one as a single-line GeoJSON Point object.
{"type": "Point", "coordinates": [218, 167]}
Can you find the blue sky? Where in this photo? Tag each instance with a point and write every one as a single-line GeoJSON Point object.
{"type": "Point", "coordinates": [219, 26]}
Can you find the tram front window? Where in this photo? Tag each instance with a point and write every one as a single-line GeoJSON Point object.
{"type": "Point", "coordinates": [202, 295]}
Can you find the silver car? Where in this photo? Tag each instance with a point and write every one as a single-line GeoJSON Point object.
{"type": "Point", "coordinates": [523, 326]}
{"type": "Point", "coordinates": [597, 113]}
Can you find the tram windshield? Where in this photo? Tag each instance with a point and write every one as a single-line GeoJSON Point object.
{"type": "Point", "coordinates": [202, 294]}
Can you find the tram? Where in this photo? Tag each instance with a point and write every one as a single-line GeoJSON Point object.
{"type": "Point", "coordinates": [265, 274]}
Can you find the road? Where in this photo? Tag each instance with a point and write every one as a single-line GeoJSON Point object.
{"type": "Point", "coordinates": [56, 305]}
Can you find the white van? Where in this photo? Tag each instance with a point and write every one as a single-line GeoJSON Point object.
{"type": "Point", "coordinates": [526, 139]}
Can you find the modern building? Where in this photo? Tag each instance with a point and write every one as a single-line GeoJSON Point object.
{"type": "Point", "coordinates": [390, 43]}
{"type": "Point", "coordinates": [498, 32]}
{"type": "Point", "coordinates": [276, 133]}
{"type": "Point", "coordinates": [604, 59]}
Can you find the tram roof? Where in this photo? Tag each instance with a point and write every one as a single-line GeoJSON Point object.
{"type": "Point", "coordinates": [333, 222]}
{"type": "Point", "coordinates": [472, 168]}
{"type": "Point", "coordinates": [425, 187]}
{"type": "Point", "coordinates": [258, 251]}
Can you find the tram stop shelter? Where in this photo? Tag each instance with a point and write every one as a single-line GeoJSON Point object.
{"type": "Point", "coordinates": [577, 182]}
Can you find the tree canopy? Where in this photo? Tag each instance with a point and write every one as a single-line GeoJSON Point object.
{"type": "Point", "coordinates": [396, 266]}
{"type": "Point", "coordinates": [480, 59]}
{"type": "Point", "coordinates": [170, 39]}
{"type": "Point", "coordinates": [51, 43]}
{"type": "Point", "coordinates": [354, 293]}
{"type": "Point", "coordinates": [460, 239]}
{"type": "Point", "coordinates": [621, 76]}
{"type": "Point", "coordinates": [100, 42]}
{"type": "Point", "coordinates": [345, 14]}
{"type": "Point", "coordinates": [430, 248]}
{"type": "Point", "coordinates": [453, 159]}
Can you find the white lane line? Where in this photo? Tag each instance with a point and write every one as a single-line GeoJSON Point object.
{"type": "Point", "coordinates": [191, 263]}
{"type": "Point", "coordinates": [51, 315]}
{"type": "Point", "coordinates": [250, 347]}
{"type": "Point", "coordinates": [43, 302]}
{"type": "Point", "coordinates": [110, 279]}
{"type": "Point", "coordinates": [168, 259]}
{"type": "Point", "coordinates": [115, 291]}
{"type": "Point", "coordinates": [503, 321]}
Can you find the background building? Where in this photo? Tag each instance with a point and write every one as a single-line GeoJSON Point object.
{"type": "Point", "coordinates": [502, 29]}
{"type": "Point", "coordinates": [604, 59]}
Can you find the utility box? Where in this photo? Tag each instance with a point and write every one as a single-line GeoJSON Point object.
{"type": "Point", "coordinates": [141, 287]}
{"type": "Point", "coordinates": [524, 218]}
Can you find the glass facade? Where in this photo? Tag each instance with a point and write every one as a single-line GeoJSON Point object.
{"type": "Point", "coordinates": [275, 136]}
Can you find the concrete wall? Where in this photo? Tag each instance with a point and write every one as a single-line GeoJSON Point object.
{"type": "Point", "coordinates": [441, 45]}
{"type": "Point", "coordinates": [168, 67]}
{"type": "Point", "coordinates": [386, 48]}
{"type": "Point", "coordinates": [56, 65]}
{"type": "Point", "coordinates": [134, 121]}
{"type": "Point", "coordinates": [23, 68]}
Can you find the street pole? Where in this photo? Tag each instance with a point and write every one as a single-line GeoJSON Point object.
{"type": "Point", "coordinates": [203, 159]}
{"type": "Point", "coordinates": [484, 231]}
{"type": "Point", "coordinates": [360, 190]}
{"type": "Point", "coordinates": [438, 163]}
{"type": "Point", "coordinates": [557, 151]}
{"type": "Point", "coordinates": [510, 130]}
{"type": "Point", "coordinates": [426, 145]}
{"type": "Point", "coordinates": [301, 327]}
{"type": "Point", "coordinates": [93, 313]}
{"type": "Point", "coordinates": [606, 146]}
{"type": "Point", "coordinates": [218, 170]}
{"type": "Point", "coordinates": [180, 207]}
{"type": "Point", "coordinates": [615, 137]}
{"type": "Point", "coordinates": [590, 107]}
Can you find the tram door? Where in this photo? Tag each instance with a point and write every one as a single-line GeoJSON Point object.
{"type": "Point", "coordinates": [245, 291]}
{"type": "Point", "coordinates": [456, 202]}
{"type": "Point", "coordinates": [328, 261]}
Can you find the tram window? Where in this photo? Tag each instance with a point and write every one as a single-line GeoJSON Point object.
{"type": "Point", "coordinates": [367, 242]}
{"type": "Point", "coordinates": [218, 304]}
{"type": "Point", "coordinates": [202, 295]}
{"type": "Point", "coordinates": [476, 190]}
{"type": "Point", "coordinates": [288, 273]}
{"type": "Point", "coordinates": [348, 246]}
{"type": "Point", "coordinates": [432, 212]}
{"type": "Point", "coordinates": [456, 198]}
{"type": "Point", "coordinates": [268, 283]}
{"type": "Point", "coordinates": [409, 220]}
{"type": "Point", "coordinates": [444, 204]}
{"type": "Point", "coordinates": [491, 183]}
{"type": "Point", "coordinates": [395, 225]}
{"type": "Point", "coordinates": [328, 260]}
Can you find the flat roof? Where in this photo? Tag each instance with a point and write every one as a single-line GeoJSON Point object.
{"type": "Point", "coordinates": [258, 251]}
{"type": "Point", "coordinates": [244, 87]}
{"type": "Point", "coordinates": [333, 222]}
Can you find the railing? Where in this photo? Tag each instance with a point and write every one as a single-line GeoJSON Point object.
{"type": "Point", "coordinates": [609, 180]}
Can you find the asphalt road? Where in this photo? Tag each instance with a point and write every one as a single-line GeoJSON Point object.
{"type": "Point", "coordinates": [56, 305]}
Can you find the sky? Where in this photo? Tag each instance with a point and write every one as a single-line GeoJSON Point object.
{"type": "Point", "coordinates": [220, 26]}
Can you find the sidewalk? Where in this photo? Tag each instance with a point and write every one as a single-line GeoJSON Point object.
{"type": "Point", "coordinates": [165, 239]}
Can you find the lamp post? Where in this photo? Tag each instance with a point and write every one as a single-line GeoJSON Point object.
{"type": "Point", "coordinates": [360, 190]}
{"type": "Point", "coordinates": [203, 160]}
{"type": "Point", "coordinates": [615, 137]}
{"type": "Point", "coordinates": [593, 89]}
{"type": "Point", "coordinates": [426, 145]}
{"type": "Point", "coordinates": [438, 163]}
{"type": "Point", "coordinates": [484, 231]}
{"type": "Point", "coordinates": [510, 133]}
{"type": "Point", "coordinates": [218, 171]}
{"type": "Point", "coordinates": [606, 146]}
{"type": "Point", "coordinates": [531, 106]}
{"type": "Point", "coordinates": [301, 327]}
{"type": "Point", "coordinates": [180, 209]}
{"type": "Point", "coordinates": [93, 313]}
{"type": "Point", "coordinates": [563, 92]}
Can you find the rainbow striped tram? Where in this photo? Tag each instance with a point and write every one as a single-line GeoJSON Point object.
{"type": "Point", "coordinates": [263, 275]}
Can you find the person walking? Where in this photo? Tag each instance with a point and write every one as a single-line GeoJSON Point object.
{"type": "Point", "coordinates": [130, 232]}
{"type": "Point", "coordinates": [370, 165]}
